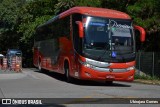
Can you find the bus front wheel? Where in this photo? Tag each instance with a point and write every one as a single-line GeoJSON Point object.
{"type": "Point", "coordinates": [67, 76]}
{"type": "Point", "coordinates": [108, 82]}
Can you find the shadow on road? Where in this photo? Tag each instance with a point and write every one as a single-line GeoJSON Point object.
{"type": "Point", "coordinates": [61, 77]}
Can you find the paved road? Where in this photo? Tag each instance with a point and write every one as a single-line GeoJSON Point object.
{"type": "Point", "coordinates": [32, 84]}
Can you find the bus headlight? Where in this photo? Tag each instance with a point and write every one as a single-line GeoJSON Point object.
{"type": "Point", "coordinates": [86, 64]}
{"type": "Point", "coordinates": [130, 68]}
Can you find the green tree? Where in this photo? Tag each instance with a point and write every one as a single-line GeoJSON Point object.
{"type": "Point", "coordinates": [89, 3]}
{"type": "Point", "coordinates": [9, 21]}
{"type": "Point", "coordinates": [146, 14]}
{"type": "Point", "coordinates": [63, 5]}
{"type": "Point", "coordinates": [120, 5]}
{"type": "Point", "coordinates": [33, 14]}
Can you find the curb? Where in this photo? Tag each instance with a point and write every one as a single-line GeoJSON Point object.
{"type": "Point", "coordinates": [150, 82]}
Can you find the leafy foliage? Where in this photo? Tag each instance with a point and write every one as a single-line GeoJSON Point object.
{"type": "Point", "coordinates": [36, 13]}
{"type": "Point", "coordinates": [9, 14]}
{"type": "Point", "coordinates": [9, 21]}
{"type": "Point", "coordinates": [89, 3]}
{"type": "Point", "coordinates": [19, 18]}
{"type": "Point", "coordinates": [63, 5]}
{"type": "Point", "coordinates": [145, 14]}
{"type": "Point", "coordinates": [115, 4]}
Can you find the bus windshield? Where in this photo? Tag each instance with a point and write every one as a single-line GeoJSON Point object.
{"type": "Point", "coordinates": [107, 38]}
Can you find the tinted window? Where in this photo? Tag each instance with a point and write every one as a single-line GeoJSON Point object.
{"type": "Point", "coordinates": [59, 28]}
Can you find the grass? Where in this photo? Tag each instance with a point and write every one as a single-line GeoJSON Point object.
{"type": "Point", "coordinates": [146, 77]}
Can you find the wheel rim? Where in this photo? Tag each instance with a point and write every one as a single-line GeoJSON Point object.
{"type": "Point", "coordinates": [67, 72]}
{"type": "Point", "coordinates": [68, 79]}
{"type": "Point", "coordinates": [39, 65]}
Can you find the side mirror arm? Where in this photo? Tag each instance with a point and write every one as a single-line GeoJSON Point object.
{"type": "Point", "coordinates": [142, 32]}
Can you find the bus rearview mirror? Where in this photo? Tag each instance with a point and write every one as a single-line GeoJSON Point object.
{"type": "Point", "coordinates": [80, 28]}
{"type": "Point", "coordinates": [142, 32]}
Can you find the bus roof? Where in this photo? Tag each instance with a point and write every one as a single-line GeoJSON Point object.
{"type": "Point", "coordinates": [92, 11]}
{"type": "Point", "coordinates": [101, 12]}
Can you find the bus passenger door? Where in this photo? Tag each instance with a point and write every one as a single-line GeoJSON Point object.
{"type": "Point", "coordinates": [36, 53]}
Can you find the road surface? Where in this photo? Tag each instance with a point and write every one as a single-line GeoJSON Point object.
{"type": "Point", "coordinates": [33, 84]}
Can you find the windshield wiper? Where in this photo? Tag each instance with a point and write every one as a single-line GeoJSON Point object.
{"type": "Point", "coordinates": [120, 54]}
{"type": "Point", "coordinates": [107, 47]}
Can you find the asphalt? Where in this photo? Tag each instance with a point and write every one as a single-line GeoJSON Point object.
{"type": "Point", "coordinates": [31, 84]}
{"type": "Point", "coordinates": [8, 74]}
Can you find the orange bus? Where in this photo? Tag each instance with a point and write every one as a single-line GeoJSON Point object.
{"type": "Point", "coordinates": [88, 43]}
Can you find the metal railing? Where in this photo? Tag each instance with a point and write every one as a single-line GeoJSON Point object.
{"type": "Point", "coordinates": [148, 63]}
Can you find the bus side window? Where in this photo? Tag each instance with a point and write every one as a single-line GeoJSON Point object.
{"type": "Point", "coordinates": [60, 28]}
{"type": "Point", "coordinates": [65, 25]}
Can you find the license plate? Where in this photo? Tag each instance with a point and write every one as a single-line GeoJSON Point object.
{"type": "Point", "coordinates": [110, 76]}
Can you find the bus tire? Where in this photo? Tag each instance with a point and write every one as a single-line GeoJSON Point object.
{"type": "Point", "coordinates": [66, 69]}
{"type": "Point", "coordinates": [108, 82]}
{"type": "Point", "coordinates": [39, 65]}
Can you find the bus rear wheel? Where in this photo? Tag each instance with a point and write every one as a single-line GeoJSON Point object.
{"type": "Point", "coordinates": [39, 66]}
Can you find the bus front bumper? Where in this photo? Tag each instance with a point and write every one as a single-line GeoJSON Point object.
{"type": "Point", "coordinates": [86, 73]}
